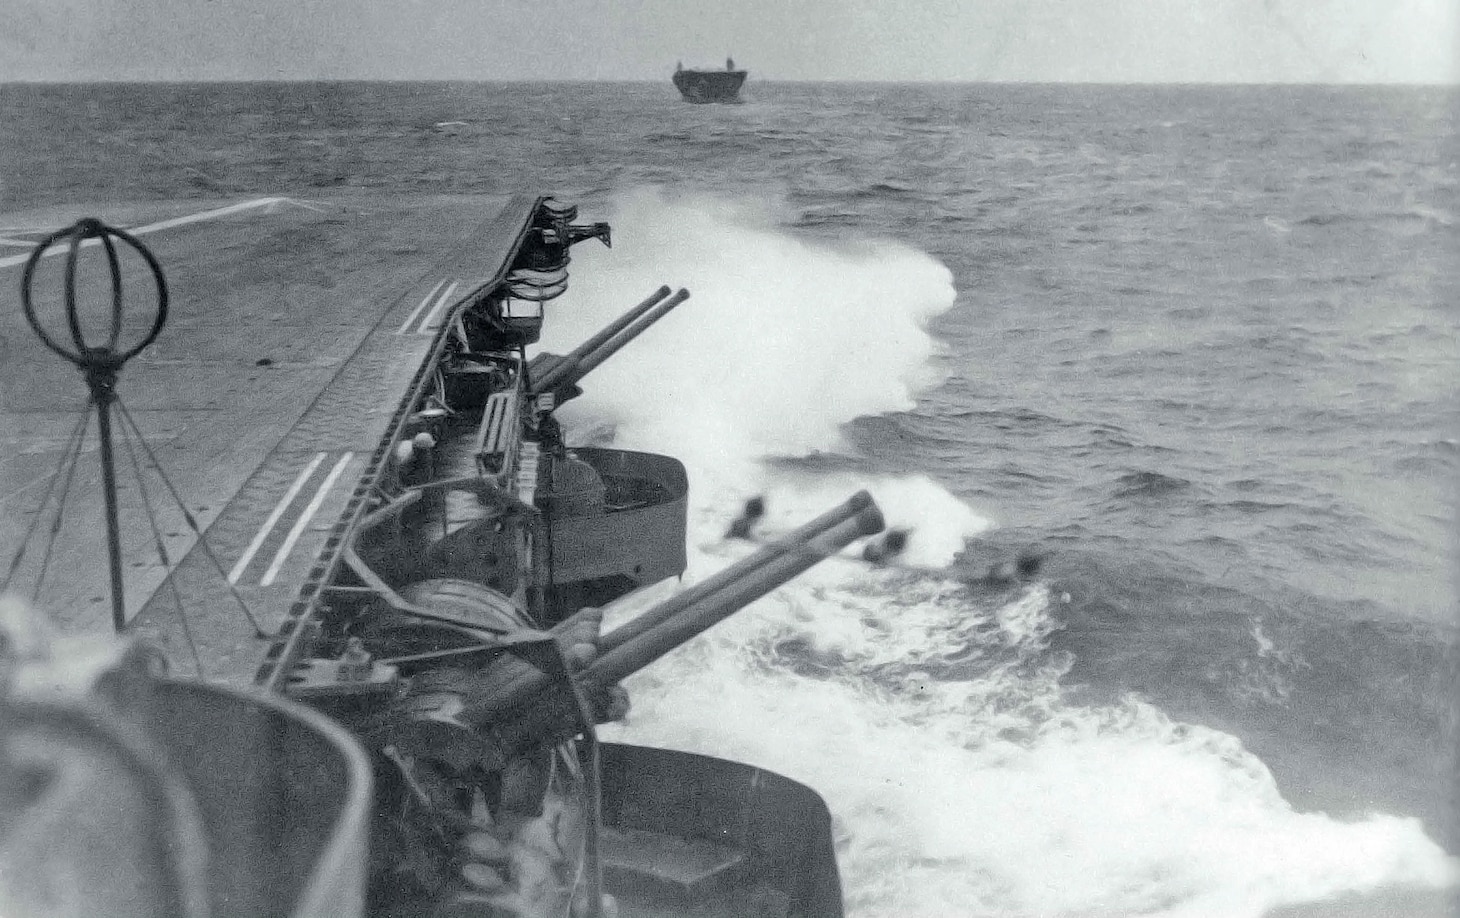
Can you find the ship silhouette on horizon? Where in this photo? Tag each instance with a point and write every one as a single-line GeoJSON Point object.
{"type": "Point", "coordinates": [702, 86]}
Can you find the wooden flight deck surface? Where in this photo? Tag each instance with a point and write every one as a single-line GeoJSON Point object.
{"type": "Point", "coordinates": [297, 331]}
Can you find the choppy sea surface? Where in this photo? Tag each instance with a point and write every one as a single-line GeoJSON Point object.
{"type": "Point", "coordinates": [1196, 346]}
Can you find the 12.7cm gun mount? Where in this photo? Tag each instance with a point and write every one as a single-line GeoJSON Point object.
{"type": "Point", "coordinates": [449, 621]}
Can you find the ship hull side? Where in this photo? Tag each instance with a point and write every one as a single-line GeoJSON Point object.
{"type": "Point", "coordinates": [705, 86]}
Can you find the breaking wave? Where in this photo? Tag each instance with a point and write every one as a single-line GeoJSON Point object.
{"type": "Point", "coordinates": [962, 776]}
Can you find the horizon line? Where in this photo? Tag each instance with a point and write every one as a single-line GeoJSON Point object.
{"type": "Point", "coordinates": [170, 81]}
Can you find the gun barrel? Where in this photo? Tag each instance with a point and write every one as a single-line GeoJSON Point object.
{"type": "Point", "coordinates": [560, 365]}
{"type": "Point", "coordinates": [619, 324]}
{"type": "Point", "coordinates": [633, 655]}
{"type": "Point", "coordinates": [583, 361]}
{"type": "Point", "coordinates": [652, 618]}
{"type": "Point", "coordinates": [607, 349]}
{"type": "Point", "coordinates": [676, 620]}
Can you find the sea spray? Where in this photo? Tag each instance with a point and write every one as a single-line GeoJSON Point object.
{"type": "Point", "coordinates": [782, 342]}
{"type": "Point", "coordinates": [930, 714]}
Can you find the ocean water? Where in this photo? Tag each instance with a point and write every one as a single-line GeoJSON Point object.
{"type": "Point", "coordinates": [1196, 346]}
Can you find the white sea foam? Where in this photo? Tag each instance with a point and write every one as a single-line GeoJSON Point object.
{"type": "Point", "coordinates": [961, 779]}
{"type": "Point", "coordinates": [782, 342]}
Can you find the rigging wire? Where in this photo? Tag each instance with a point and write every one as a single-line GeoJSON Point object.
{"type": "Point", "coordinates": [171, 581]}
{"type": "Point", "coordinates": [73, 445]}
{"type": "Point", "coordinates": [70, 476]}
{"type": "Point", "coordinates": [128, 421]}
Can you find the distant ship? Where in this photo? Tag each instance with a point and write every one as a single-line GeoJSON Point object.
{"type": "Point", "coordinates": [701, 86]}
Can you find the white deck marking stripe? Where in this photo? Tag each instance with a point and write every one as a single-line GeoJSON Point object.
{"type": "Point", "coordinates": [18, 457]}
{"type": "Point", "coordinates": [283, 553]}
{"type": "Point", "coordinates": [410, 319]}
{"type": "Point", "coordinates": [162, 225]}
{"type": "Point", "coordinates": [429, 322]}
{"type": "Point", "coordinates": [278, 511]}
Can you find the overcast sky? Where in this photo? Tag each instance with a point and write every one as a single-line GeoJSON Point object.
{"type": "Point", "coordinates": [1040, 40]}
